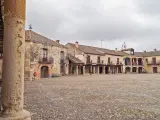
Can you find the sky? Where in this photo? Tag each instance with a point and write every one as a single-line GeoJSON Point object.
{"type": "Point", "coordinates": [137, 22]}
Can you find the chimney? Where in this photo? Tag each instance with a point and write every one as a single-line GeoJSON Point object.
{"type": "Point", "coordinates": [155, 50]}
{"type": "Point", "coordinates": [58, 41]}
{"type": "Point", "coordinates": [76, 44]}
{"type": "Point", "coordinates": [116, 49]}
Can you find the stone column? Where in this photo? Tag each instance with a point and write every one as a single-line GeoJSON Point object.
{"type": "Point", "coordinates": [84, 68]}
{"type": "Point", "coordinates": [76, 70]}
{"type": "Point", "coordinates": [94, 70]}
{"type": "Point", "coordinates": [122, 69]}
{"type": "Point", "coordinates": [66, 69]}
{"type": "Point", "coordinates": [97, 69]}
{"type": "Point", "coordinates": [104, 69]}
{"type": "Point", "coordinates": [13, 64]}
{"type": "Point", "coordinates": [71, 70]}
{"type": "Point", "coordinates": [91, 69]}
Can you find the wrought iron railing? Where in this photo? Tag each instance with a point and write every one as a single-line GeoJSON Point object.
{"type": "Point", "coordinates": [44, 60]}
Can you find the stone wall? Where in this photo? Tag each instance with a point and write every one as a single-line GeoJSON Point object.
{"type": "Point", "coordinates": [34, 54]}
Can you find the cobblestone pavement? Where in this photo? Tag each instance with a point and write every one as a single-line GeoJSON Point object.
{"type": "Point", "coordinates": [95, 97]}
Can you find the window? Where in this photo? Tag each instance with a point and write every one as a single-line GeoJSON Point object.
{"type": "Point", "coordinates": [45, 53]}
{"type": "Point", "coordinates": [88, 59]}
{"type": "Point", "coordinates": [117, 60]}
{"type": "Point", "coordinates": [109, 60]}
{"type": "Point", "coordinates": [98, 59]}
{"type": "Point", "coordinates": [154, 61]}
{"type": "Point", "coordinates": [62, 55]}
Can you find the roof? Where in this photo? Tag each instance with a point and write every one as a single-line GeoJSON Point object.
{"type": "Point", "coordinates": [87, 49]}
{"type": "Point", "coordinates": [98, 51]}
{"type": "Point", "coordinates": [128, 49]}
{"type": "Point", "coordinates": [147, 54]}
{"type": "Point", "coordinates": [37, 38]}
{"type": "Point", "coordinates": [111, 52]}
{"type": "Point", "coordinates": [74, 59]}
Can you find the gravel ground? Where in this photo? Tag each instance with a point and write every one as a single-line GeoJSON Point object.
{"type": "Point", "coordinates": [95, 97]}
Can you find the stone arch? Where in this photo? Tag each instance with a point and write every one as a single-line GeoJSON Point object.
{"type": "Point", "coordinates": [134, 69]}
{"type": "Point", "coordinates": [140, 61]}
{"type": "Point", "coordinates": [127, 61]}
{"type": "Point", "coordinates": [127, 70]}
{"type": "Point", "coordinates": [44, 72]}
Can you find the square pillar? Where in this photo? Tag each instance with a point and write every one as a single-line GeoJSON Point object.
{"type": "Point", "coordinates": [66, 69]}
{"type": "Point", "coordinates": [97, 69]}
{"type": "Point", "coordinates": [13, 61]}
{"type": "Point", "coordinates": [77, 70]}
{"type": "Point", "coordinates": [91, 69]}
{"type": "Point", "coordinates": [94, 70]}
{"type": "Point", "coordinates": [104, 69]}
{"type": "Point", "coordinates": [109, 69]}
{"type": "Point", "coordinates": [84, 68]}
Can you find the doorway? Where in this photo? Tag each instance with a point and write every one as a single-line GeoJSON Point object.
{"type": "Point", "coordinates": [44, 72]}
{"type": "Point", "coordinates": [140, 70]}
{"type": "Point", "coordinates": [127, 70]}
{"type": "Point", "coordinates": [155, 70]}
{"type": "Point", "coordinates": [134, 69]}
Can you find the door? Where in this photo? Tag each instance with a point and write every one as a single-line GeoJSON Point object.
{"type": "Point", "coordinates": [155, 70]}
{"type": "Point", "coordinates": [44, 72]}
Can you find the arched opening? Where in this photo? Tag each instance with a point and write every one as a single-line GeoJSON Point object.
{"type": "Point", "coordinates": [134, 61]}
{"type": "Point", "coordinates": [44, 72]}
{"type": "Point", "coordinates": [127, 61]}
{"type": "Point", "coordinates": [100, 70]}
{"type": "Point", "coordinates": [119, 69]}
{"type": "Point", "coordinates": [140, 62]}
{"type": "Point", "coordinates": [155, 70]}
{"type": "Point", "coordinates": [107, 69]}
{"type": "Point", "coordinates": [127, 70]}
{"type": "Point", "coordinates": [134, 69]}
{"type": "Point", "coordinates": [140, 70]}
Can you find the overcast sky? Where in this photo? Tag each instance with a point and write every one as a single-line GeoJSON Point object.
{"type": "Point", "coordinates": [137, 22]}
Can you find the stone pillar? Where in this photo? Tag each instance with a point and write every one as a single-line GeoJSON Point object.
{"type": "Point", "coordinates": [76, 70]}
{"type": "Point", "coordinates": [104, 69]}
{"type": "Point", "coordinates": [122, 69]}
{"type": "Point", "coordinates": [71, 70]}
{"type": "Point", "coordinates": [94, 70]}
{"type": "Point", "coordinates": [13, 64]}
{"type": "Point", "coordinates": [66, 69]}
{"type": "Point", "coordinates": [84, 68]}
{"type": "Point", "coordinates": [91, 69]}
{"type": "Point", "coordinates": [97, 69]}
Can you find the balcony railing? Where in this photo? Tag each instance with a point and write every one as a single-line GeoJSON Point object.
{"type": "Point", "coordinates": [43, 60]}
{"type": "Point", "coordinates": [153, 63]}
{"type": "Point", "coordinates": [89, 61]}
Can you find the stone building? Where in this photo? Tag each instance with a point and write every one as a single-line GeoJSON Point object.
{"type": "Point", "coordinates": [151, 61]}
{"type": "Point", "coordinates": [44, 57]}
{"type": "Point", "coordinates": [95, 60]}
{"type": "Point", "coordinates": [133, 62]}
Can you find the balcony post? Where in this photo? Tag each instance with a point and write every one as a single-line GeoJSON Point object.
{"type": "Point", "coordinates": [13, 61]}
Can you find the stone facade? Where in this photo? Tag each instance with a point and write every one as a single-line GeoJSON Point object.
{"type": "Point", "coordinates": [104, 61]}
{"type": "Point", "coordinates": [44, 59]}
